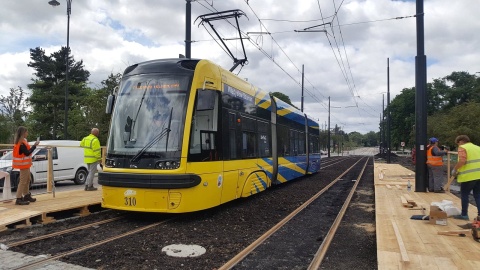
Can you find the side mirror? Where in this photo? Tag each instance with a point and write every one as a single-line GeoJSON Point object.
{"type": "Point", "coordinates": [110, 103]}
{"type": "Point", "coordinates": [126, 136]}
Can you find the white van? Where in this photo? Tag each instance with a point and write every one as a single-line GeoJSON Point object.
{"type": "Point", "coordinates": [67, 163]}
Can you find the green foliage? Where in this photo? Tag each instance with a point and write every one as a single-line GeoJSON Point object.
{"type": "Point", "coordinates": [13, 111]}
{"type": "Point", "coordinates": [452, 110]}
{"type": "Point", "coordinates": [91, 110]}
{"type": "Point", "coordinates": [356, 138]}
{"type": "Point", "coordinates": [462, 119]}
{"type": "Point", "coordinates": [402, 116]}
{"type": "Point", "coordinates": [48, 91]}
{"type": "Point", "coordinates": [371, 139]}
{"type": "Point", "coordinates": [283, 98]}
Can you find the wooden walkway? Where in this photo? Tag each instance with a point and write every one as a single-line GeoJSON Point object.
{"type": "Point", "coordinates": [404, 243]}
{"type": "Point", "coordinates": [44, 210]}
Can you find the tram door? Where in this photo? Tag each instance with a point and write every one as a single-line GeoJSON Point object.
{"type": "Point", "coordinates": [230, 134]}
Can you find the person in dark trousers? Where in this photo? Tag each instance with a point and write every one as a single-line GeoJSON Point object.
{"type": "Point", "coordinates": [22, 160]}
{"type": "Point", "coordinates": [435, 166]}
{"type": "Point", "coordinates": [467, 171]}
{"type": "Point", "coordinates": [92, 155]}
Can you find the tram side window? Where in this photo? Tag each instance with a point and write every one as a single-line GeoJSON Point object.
{"type": "Point", "coordinates": [313, 145]}
{"type": "Point", "coordinates": [301, 143]}
{"type": "Point", "coordinates": [249, 141]}
{"type": "Point", "coordinates": [293, 142]}
{"type": "Point", "coordinates": [248, 145]}
{"type": "Point", "coordinates": [263, 139]}
{"type": "Point", "coordinates": [204, 121]}
{"type": "Point", "coordinates": [232, 135]}
{"type": "Point", "coordinates": [282, 141]}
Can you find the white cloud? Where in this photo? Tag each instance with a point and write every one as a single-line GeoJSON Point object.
{"type": "Point", "coordinates": [111, 35]}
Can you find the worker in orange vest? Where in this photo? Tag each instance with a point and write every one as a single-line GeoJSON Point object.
{"type": "Point", "coordinates": [435, 166]}
{"type": "Point", "coordinates": [22, 160]}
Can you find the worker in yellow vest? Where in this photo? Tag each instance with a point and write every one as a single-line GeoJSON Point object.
{"type": "Point", "coordinates": [467, 171]}
{"type": "Point", "coordinates": [435, 166]}
{"type": "Point", "coordinates": [92, 155]}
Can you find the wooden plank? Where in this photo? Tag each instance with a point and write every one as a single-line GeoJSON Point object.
{"type": "Point", "coordinates": [424, 247]}
{"type": "Point", "coordinates": [401, 245]}
{"type": "Point", "coordinates": [455, 232]}
{"type": "Point", "coordinates": [45, 205]}
{"type": "Point", "coordinates": [405, 202]}
{"type": "Point", "coordinates": [410, 200]}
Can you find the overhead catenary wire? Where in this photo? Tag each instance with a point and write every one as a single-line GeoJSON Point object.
{"type": "Point", "coordinates": [258, 43]}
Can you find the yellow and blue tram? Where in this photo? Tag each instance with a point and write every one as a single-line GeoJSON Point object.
{"type": "Point", "coordinates": [188, 135]}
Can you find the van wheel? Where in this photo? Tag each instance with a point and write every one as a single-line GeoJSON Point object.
{"type": "Point", "coordinates": [81, 176]}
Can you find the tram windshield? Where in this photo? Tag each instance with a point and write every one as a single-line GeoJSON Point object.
{"type": "Point", "coordinates": [149, 116]}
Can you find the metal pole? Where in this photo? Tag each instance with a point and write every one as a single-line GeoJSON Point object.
{"type": "Point", "coordinates": [69, 11]}
{"type": "Point", "coordinates": [383, 126]}
{"type": "Point", "coordinates": [380, 148]}
{"type": "Point", "coordinates": [328, 138]}
{"type": "Point", "coordinates": [303, 72]}
{"type": "Point", "coordinates": [188, 29]}
{"type": "Point", "coordinates": [420, 104]}
{"type": "Point", "coordinates": [388, 111]}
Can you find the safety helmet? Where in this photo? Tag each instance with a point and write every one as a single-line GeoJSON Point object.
{"type": "Point", "coordinates": [433, 140]}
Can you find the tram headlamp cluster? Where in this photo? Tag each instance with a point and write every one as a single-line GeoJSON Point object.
{"type": "Point", "coordinates": [167, 165]}
{"type": "Point", "coordinates": [109, 163]}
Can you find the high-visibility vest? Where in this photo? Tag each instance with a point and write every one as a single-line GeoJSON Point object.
{"type": "Point", "coordinates": [471, 170]}
{"type": "Point", "coordinates": [21, 161]}
{"type": "Point", "coordinates": [92, 151]}
{"type": "Point", "coordinates": [433, 160]}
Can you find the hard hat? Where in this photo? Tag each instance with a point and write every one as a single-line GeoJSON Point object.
{"type": "Point", "coordinates": [433, 140]}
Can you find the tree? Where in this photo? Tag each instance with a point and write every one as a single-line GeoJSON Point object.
{"type": "Point", "coordinates": [461, 119]}
{"type": "Point", "coordinates": [356, 138]}
{"type": "Point", "coordinates": [13, 110]}
{"type": "Point", "coordinates": [402, 116]}
{"type": "Point", "coordinates": [90, 111]}
{"type": "Point", "coordinates": [283, 98]}
{"type": "Point", "coordinates": [450, 102]}
{"type": "Point", "coordinates": [48, 90]}
{"type": "Point", "coordinates": [371, 139]}
{"type": "Point", "coordinates": [465, 88]}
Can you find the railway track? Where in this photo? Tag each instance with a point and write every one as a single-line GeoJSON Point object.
{"type": "Point", "coordinates": [106, 228]}
{"type": "Point", "coordinates": [224, 231]}
{"type": "Point", "coordinates": [279, 246]}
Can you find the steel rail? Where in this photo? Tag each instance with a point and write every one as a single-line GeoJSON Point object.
{"type": "Point", "coordinates": [244, 253]}
{"type": "Point", "coordinates": [43, 261]}
{"type": "Point", "coordinates": [27, 241]}
{"type": "Point", "coordinates": [322, 250]}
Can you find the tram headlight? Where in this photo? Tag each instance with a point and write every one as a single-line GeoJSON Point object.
{"type": "Point", "coordinates": [167, 165]}
{"type": "Point", "coordinates": [109, 163]}
{"type": "Point", "coordinates": [160, 165]}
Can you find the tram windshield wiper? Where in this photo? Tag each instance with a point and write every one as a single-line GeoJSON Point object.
{"type": "Point", "coordinates": [163, 133]}
{"type": "Point", "coordinates": [150, 144]}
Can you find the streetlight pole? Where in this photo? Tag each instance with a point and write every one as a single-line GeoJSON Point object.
{"type": "Point", "coordinates": [188, 29]}
{"type": "Point", "coordinates": [55, 3]}
{"type": "Point", "coordinates": [388, 112]}
{"type": "Point", "coordinates": [328, 138]}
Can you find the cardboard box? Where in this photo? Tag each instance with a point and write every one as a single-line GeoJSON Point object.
{"type": "Point", "coordinates": [437, 216]}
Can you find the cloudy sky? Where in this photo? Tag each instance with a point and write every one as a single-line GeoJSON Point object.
{"type": "Point", "coordinates": [347, 63]}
